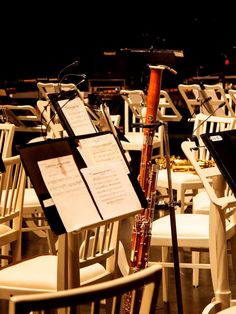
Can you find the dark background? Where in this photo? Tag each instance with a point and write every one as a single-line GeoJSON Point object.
{"type": "Point", "coordinates": [39, 38]}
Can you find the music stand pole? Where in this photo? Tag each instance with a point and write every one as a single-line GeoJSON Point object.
{"type": "Point", "coordinates": [171, 208]}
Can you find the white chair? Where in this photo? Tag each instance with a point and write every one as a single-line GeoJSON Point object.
{"type": "Point", "coordinates": [190, 94]}
{"type": "Point", "coordinates": [143, 301]}
{"type": "Point", "coordinates": [7, 132]}
{"type": "Point", "coordinates": [26, 118]}
{"type": "Point", "coordinates": [195, 98]}
{"type": "Point", "coordinates": [187, 184]}
{"type": "Point", "coordinates": [12, 184]}
{"type": "Point", "coordinates": [51, 121]}
{"type": "Point", "coordinates": [86, 256]}
{"type": "Point", "coordinates": [51, 88]}
{"type": "Point", "coordinates": [218, 96]}
{"type": "Point", "coordinates": [167, 109]}
{"type": "Point", "coordinates": [198, 231]}
{"type": "Point", "coordinates": [49, 116]}
{"type": "Point", "coordinates": [232, 99]}
{"type": "Point", "coordinates": [222, 230]}
{"type": "Point", "coordinates": [135, 112]}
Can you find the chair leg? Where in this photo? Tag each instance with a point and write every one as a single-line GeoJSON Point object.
{"type": "Point", "coordinates": [51, 242]}
{"type": "Point", "coordinates": [165, 274]}
{"type": "Point", "coordinates": [5, 251]}
{"type": "Point", "coordinates": [195, 260]}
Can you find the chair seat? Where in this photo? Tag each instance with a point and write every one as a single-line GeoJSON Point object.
{"type": "Point", "coordinates": [4, 229]}
{"type": "Point", "coordinates": [40, 274]}
{"type": "Point", "coordinates": [194, 228]}
{"type": "Point", "coordinates": [135, 141]}
{"type": "Point", "coordinates": [201, 203]}
{"type": "Point", "coordinates": [178, 177]}
{"type": "Point", "coordinates": [230, 310]}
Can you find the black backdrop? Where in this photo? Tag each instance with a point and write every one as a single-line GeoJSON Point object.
{"type": "Point", "coordinates": [38, 39]}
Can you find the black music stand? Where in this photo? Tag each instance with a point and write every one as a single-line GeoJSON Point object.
{"type": "Point", "coordinates": [222, 146]}
{"type": "Point", "coordinates": [64, 153]}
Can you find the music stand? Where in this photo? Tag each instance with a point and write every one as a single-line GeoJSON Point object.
{"type": "Point", "coordinates": [72, 113]}
{"type": "Point", "coordinates": [222, 147]}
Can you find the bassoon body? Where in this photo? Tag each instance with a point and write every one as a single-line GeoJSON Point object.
{"type": "Point", "coordinates": [141, 232]}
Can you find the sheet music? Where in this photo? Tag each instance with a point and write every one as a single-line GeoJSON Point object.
{"type": "Point", "coordinates": [77, 116]}
{"type": "Point", "coordinates": [69, 192]}
{"type": "Point", "coordinates": [101, 149]}
{"type": "Point", "coordinates": [111, 189]}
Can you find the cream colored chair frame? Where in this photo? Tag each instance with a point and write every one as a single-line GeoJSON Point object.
{"type": "Point", "coordinates": [26, 118]}
{"type": "Point", "coordinates": [7, 132]}
{"type": "Point", "coordinates": [194, 97]}
{"type": "Point", "coordinates": [86, 256]}
{"type": "Point", "coordinates": [134, 112]}
{"type": "Point", "coordinates": [187, 184]}
{"type": "Point", "coordinates": [146, 279]}
{"type": "Point", "coordinates": [201, 232]}
{"type": "Point", "coordinates": [12, 184]}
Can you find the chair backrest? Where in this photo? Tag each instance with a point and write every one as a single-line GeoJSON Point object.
{"type": "Point", "coordinates": [135, 103]}
{"type": "Point", "coordinates": [190, 94]}
{"type": "Point", "coordinates": [89, 246]}
{"type": "Point", "coordinates": [51, 88]}
{"type": "Point", "coordinates": [218, 97]}
{"type": "Point", "coordinates": [54, 129]}
{"type": "Point", "coordinates": [7, 131]}
{"type": "Point", "coordinates": [12, 185]}
{"type": "Point", "coordinates": [134, 108]}
{"type": "Point", "coordinates": [92, 296]}
{"type": "Point", "coordinates": [167, 109]}
{"type": "Point", "coordinates": [26, 118]}
{"type": "Point", "coordinates": [194, 96]}
{"type": "Point", "coordinates": [232, 99]}
{"type": "Point", "coordinates": [51, 119]}
{"type": "Point", "coordinates": [207, 124]}
{"type": "Point", "coordinates": [221, 223]}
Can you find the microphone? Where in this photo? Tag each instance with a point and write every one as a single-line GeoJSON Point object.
{"type": "Point", "coordinates": [83, 76]}
{"type": "Point", "coordinates": [207, 104]}
{"type": "Point", "coordinates": [194, 137]}
{"type": "Point", "coordinates": [59, 78]}
{"type": "Point", "coordinates": [201, 104]}
{"type": "Point", "coordinates": [73, 64]}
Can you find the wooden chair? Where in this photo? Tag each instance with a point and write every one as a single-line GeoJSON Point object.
{"type": "Point", "coordinates": [134, 112]}
{"type": "Point", "coordinates": [26, 118]}
{"type": "Point", "coordinates": [202, 232]}
{"type": "Point", "coordinates": [49, 116]}
{"type": "Point", "coordinates": [7, 131]}
{"type": "Point", "coordinates": [86, 256]}
{"type": "Point", "coordinates": [12, 184]}
{"type": "Point", "coordinates": [51, 88]}
{"type": "Point", "coordinates": [232, 99]}
{"type": "Point", "coordinates": [195, 101]}
{"type": "Point", "coordinates": [187, 184]}
{"type": "Point", "coordinates": [92, 296]}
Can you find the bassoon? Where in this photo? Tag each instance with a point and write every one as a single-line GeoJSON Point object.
{"type": "Point", "coordinates": [141, 232]}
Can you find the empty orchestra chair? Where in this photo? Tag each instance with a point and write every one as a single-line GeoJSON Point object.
{"type": "Point", "coordinates": [94, 295]}
{"type": "Point", "coordinates": [12, 185]}
{"type": "Point", "coordinates": [198, 231]}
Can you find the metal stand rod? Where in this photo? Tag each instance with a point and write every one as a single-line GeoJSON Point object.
{"type": "Point", "coordinates": [171, 207]}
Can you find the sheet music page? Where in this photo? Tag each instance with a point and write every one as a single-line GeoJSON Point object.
{"type": "Point", "coordinates": [101, 149]}
{"type": "Point", "coordinates": [69, 192]}
{"type": "Point", "coordinates": [111, 188]}
{"type": "Point", "coordinates": [77, 116]}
